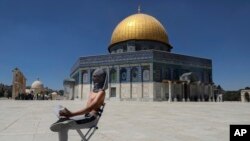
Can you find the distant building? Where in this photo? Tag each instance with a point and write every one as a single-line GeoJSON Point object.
{"type": "Point", "coordinates": [18, 83]}
{"type": "Point", "coordinates": [245, 95]}
{"type": "Point", "coordinates": [54, 96]}
{"type": "Point", "coordinates": [37, 87]}
{"type": "Point", "coordinates": [69, 85]}
{"type": "Point", "coordinates": [141, 67]}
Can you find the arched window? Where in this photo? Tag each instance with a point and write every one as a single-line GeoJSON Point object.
{"type": "Point", "coordinates": [247, 97]}
{"type": "Point", "coordinates": [91, 75]}
{"type": "Point", "coordinates": [76, 77]}
{"type": "Point", "coordinates": [134, 75]}
{"type": "Point", "coordinates": [176, 74]}
{"type": "Point", "coordinates": [113, 76]}
{"type": "Point", "coordinates": [123, 75]}
{"type": "Point", "coordinates": [165, 74]}
{"type": "Point", "coordinates": [85, 77]}
{"type": "Point", "coordinates": [146, 75]}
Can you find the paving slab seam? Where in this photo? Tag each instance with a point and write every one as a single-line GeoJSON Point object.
{"type": "Point", "coordinates": [33, 138]}
{"type": "Point", "coordinates": [11, 124]}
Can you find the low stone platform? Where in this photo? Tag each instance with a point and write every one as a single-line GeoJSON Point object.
{"type": "Point", "coordinates": [127, 121]}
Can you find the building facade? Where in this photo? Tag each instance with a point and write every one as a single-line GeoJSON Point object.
{"type": "Point", "coordinates": [141, 67]}
{"type": "Point", "coordinates": [37, 87]}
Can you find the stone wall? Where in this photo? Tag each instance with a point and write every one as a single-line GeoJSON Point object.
{"type": "Point", "coordinates": [123, 91]}
{"type": "Point", "coordinates": [151, 91]}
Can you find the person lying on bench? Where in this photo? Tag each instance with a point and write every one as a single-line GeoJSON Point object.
{"type": "Point", "coordinates": [94, 102]}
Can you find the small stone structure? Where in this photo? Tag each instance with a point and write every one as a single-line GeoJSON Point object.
{"type": "Point", "coordinates": [245, 95]}
{"type": "Point", "coordinates": [37, 87]}
{"type": "Point", "coordinates": [69, 88]}
{"type": "Point", "coordinates": [54, 96]}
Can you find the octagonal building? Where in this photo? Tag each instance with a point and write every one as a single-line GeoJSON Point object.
{"type": "Point", "coordinates": [141, 67]}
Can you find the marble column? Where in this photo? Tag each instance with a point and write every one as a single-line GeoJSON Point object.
{"type": "Point", "coordinates": [80, 85]}
{"type": "Point", "coordinates": [129, 81]}
{"type": "Point", "coordinates": [151, 72]}
{"type": "Point", "coordinates": [109, 88]}
{"type": "Point", "coordinates": [212, 92]}
{"type": "Point", "coordinates": [188, 91]}
{"type": "Point", "coordinates": [174, 91]}
{"type": "Point", "coordinates": [169, 91]}
{"type": "Point", "coordinates": [119, 82]}
{"type": "Point", "coordinates": [89, 78]}
{"type": "Point", "coordinates": [183, 91]}
{"type": "Point", "coordinates": [199, 91]}
{"type": "Point", "coordinates": [141, 80]}
{"type": "Point", "coordinates": [209, 93]}
{"type": "Point", "coordinates": [202, 92]}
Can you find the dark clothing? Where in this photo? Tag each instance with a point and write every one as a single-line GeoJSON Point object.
{"type": "Point", "coordinates": [88, 118]}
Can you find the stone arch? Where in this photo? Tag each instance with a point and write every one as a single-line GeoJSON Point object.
{"type": "Point", "coordinates": [113, 75]}
{"type": "Point", "coordinates": [247, 96]}
{"type": "Point", "coordinates": [123, 75]}
{"type": "Point", "coordinates": [134, 74]}
{"type": "Point", "coordinates": [85, 77]}
{"type": "Point", "coordinates": [91, 75]}
{"type": "Point", "coordinates": [146, 75]}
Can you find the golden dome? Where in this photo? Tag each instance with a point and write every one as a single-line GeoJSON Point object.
{"type": "Point", "coordinates": [139, 27]}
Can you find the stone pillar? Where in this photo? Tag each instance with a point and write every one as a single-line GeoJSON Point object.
{"type": "Point", "coordinates": [129, 81]}
{"type": "Point", "coordinates": [172, 74]}
{"type": "Point", "coordinates": [188, 92]}
{"type": "Point", "coordinates": [169, 91]}
{"type": "Point", "coordinates": [80, 85]}
{"type": "Point", "coordinates": [198, 89]}
{"type": "Point", "coordinates": [18, 83]}
{"type": "Point", "coordinates": [183, 91]}
{"type": "Point", "coordinates": [202, 92]}
{"type": "Point", "coordinates": [118, 82]}
{"type": "Point", "coordinates": [243, 96]}
{"type": "Point", "coordinates": [89, 79]}
{"type": "Point", "coordinates": [14, 86]}
{"type": "Point", "coordinates": [151, 93]}
{"type": "Point", "coordinates": [141, 80]}
{"type": "Point", "coordinates": [109, 88]}
{"type": "Point", "coordinates": [73, 91]}
{"type": "Point", "coordinates": [212, 92]}
{"type": "Point", "coordinates": [174, 91]}
{"type": "Point", "coordinates": [151, 73]}
{"type": "Point", "coordinates": [163, 91]}
{"type": "Point", "coordinates": [209, 93]}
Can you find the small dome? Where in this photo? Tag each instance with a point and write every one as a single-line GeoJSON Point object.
{"type": "Point", "coordinates": [139, 27]}
{"type": "Point", "coordinates": [37, 85]}
{"type": "Point", "coordinates": [27, 91]}
{"type": "Point", "coordinates": [54, 93]}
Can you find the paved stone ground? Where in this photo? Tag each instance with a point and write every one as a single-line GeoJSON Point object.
{"type": "Point", "coordinates": [127, 121]}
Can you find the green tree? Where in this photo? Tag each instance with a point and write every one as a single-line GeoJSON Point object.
{"type": "Point", "coordinates": [232, 96]}
{"type": "Point", "coordinates": [61, 92]}
{"type": "Point", "coordinates": [247, 88]}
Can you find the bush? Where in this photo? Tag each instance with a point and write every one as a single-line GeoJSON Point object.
{"type": "Point", "coordinates": [232, 96]}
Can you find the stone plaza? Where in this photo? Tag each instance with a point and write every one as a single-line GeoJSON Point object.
{"type": "Point", "coordinates": [127, 121]}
